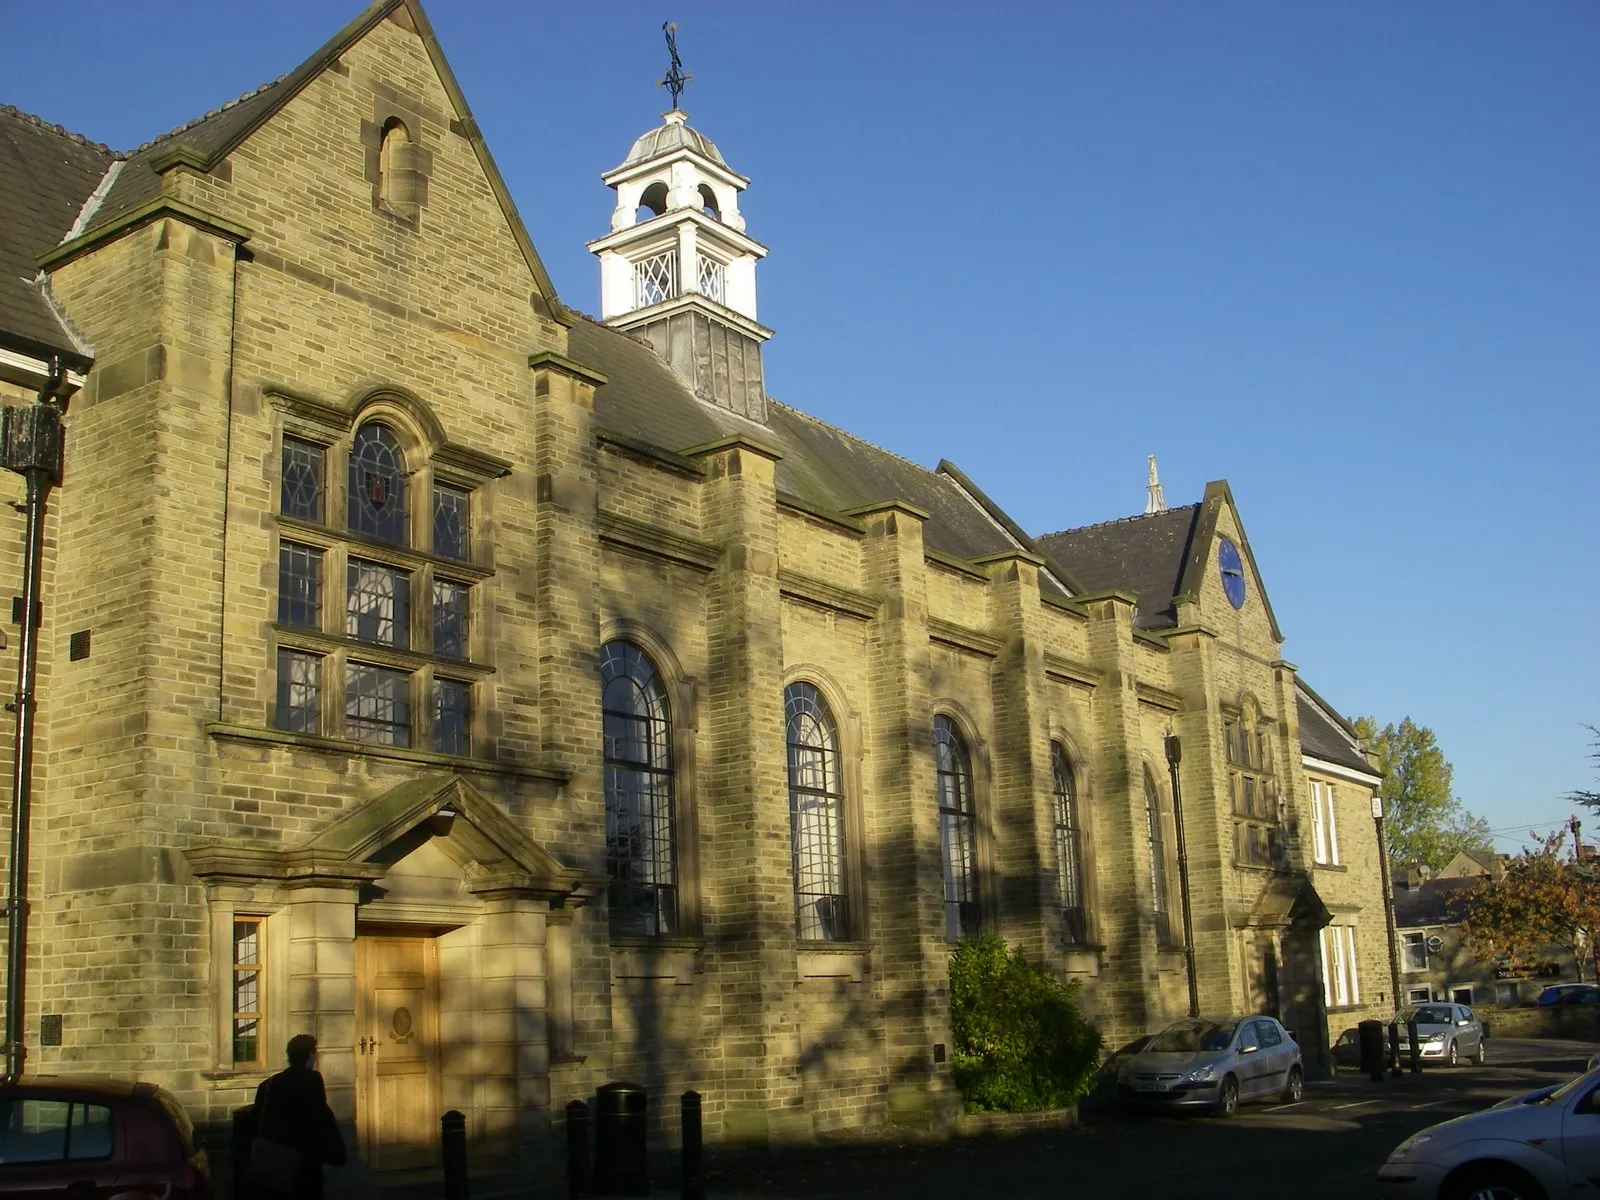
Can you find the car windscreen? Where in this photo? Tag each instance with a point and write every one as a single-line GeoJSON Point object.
{"type": "Point", "coordinates": [1427, 1014]}
{"type": "Point", "coordinates": [1191, 1037]}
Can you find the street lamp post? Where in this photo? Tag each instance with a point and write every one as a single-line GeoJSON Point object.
{"type": "Point", "coordinates": [1174, 756]}
{"type": "Point", "coordinates": [31, 440]}
{"type": "Point", "coordinates": [1388, 898]}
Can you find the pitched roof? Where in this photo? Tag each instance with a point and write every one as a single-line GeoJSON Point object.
{"type": "Point", "coordinates": [1432, 902]}
{"type": "Point", "coordinates": [1325, 735]}
{"type": "Point", "coordinates": [46, 173]}
{"type": "Point", "coordinates": [1143, 554]}
{"type": "Point", "coordinates": [822, 467]}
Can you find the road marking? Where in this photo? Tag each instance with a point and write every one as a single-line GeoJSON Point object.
{"type": "Point", "coordinates": [1429, 1104]}
{"type": "Point", "coordinates": [1353, 1104]}
{"type": "Point", "coordinates": [1281, 1107]}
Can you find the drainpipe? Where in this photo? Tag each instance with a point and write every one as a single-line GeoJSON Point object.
{"type": "Point", "coordinates": [31, 441]}
{"type": "Point", "coordinates": [1175, 755]}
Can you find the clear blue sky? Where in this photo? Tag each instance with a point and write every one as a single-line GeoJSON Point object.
{"type": "Point", "coordinates": [1344, 255]}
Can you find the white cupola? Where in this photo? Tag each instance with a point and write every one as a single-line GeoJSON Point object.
{"type": "Point", "coordinates": [677, 268]}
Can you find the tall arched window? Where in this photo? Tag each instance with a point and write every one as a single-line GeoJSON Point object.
{"type": "Point", "coordinates": [816, 817]}
{"type": "Point", "coordinates": [1158, 858]}
{"type": "Point", "coordinates": [1069, 852]}
{"type": "Point", "coordinates": [639, 816]}
{"type": "Point", "coordinates": [377, 485]}
{"type": "Point", "coordinates": [957, 823]}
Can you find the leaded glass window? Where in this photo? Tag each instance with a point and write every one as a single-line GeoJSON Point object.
{"type": "Point", "coordinates": [300, 484]}
{"type": "Point", "coordinates": [299, 691]}
{"type": "Point", "coordinates": [377, 705]}
{"type": "Point", "coordinates": [449, 618]}
{"type": "Point", "coordinates": [816, 816]}
{"type": "Point", "coordinates": [249, 987]}
{"type": "Point", "coordinates": [377, 485]}
{"type": "Point", "coordinates": [957, 822]}
{"type": "Point", "coordinates": [451, 538]}
{"type": "Point", "coordinates": [640, 858]}
{"type": "Point", "coordinates": [452, 716]}
{"type": "Point", "coordinates": [1069, 849]}
{"type": "Point", "coordinates": [299, 585]}
{"type": "Point", "coordinates": [1155, 828]}
{"type": "Point", "coordinates": [379, 607]}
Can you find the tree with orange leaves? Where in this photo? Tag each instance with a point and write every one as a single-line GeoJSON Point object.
{"type": "Point", "coordinates": [1545, 899]}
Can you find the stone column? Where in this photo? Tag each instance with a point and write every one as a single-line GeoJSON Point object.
{"type": "Point", "coordinates": [1021, 799]}
{"type": "Point", "coordinates": [905, 889]}
{"type": "Point", "coordinates": [744, 809]}
{"type": "Point", "coordinates": [515, 1056]}
{"type": "Point", "coordinates": [322, 987]}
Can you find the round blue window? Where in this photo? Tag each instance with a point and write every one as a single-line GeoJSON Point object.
{"type": "Point", "coordinates": [1231, 567]}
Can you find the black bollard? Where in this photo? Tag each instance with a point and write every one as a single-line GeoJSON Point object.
{"type": "Point", "coordinates": [453, 1127]}
{"type": "Point", "coordinates": [694, 1170]}
{"type": "Point", "coordinates": [1369, 1037]}
{"type": "Point", "coordinates": [577, 1149]}
{"type": "Point", "coordinates": [1394, 1049]}
{"type": "Point", "coordinates": [244, 1131]}
{"type": "Point", "coordinates": [1416, 1047]}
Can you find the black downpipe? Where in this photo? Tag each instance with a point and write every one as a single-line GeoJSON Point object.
{"type": "Point", "coordinates": [33, 449]}
{"type": "Point", "coordinates": [1174, 749]}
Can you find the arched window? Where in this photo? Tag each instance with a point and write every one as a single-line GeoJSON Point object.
{"type": "Point", "coordinates": [1069, 853]}
{"type": "Point", "coordinates": [816, 817]}
{"type": "Point", "coordinates": [652, 202]}
{"type": "Point", "coordinates": [957, 823]}
{"type": "Point", "coordinates": [1158, 858]}
{"type": "Point", "coordinates": [708, 202]}
{"type": "Point", "coordinates": [639, 817]}
{"type": "Point", "coordinates": [377, 485]}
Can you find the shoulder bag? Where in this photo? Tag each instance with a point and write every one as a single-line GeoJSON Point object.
{"type": "Point", "coordinates": [273, 1167]}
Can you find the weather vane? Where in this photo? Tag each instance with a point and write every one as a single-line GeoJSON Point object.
{"type": "Point", "coordinates": [676, 77]}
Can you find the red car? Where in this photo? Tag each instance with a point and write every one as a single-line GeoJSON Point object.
{"type": "Point", "coordinates": [97, 1139]}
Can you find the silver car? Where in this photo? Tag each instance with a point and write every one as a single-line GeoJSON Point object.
{"type": "Point", "coordinates": [1447, 1033]}
{"type": "Point", "coordinates": [1215, 1063]}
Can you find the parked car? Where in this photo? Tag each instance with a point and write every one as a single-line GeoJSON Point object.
{"type": "Point", "coordinates": [1537, 1146]}
{"type": "Point", "coordinates": [1448, 1033]}
{"type": "Point", "coordinates": [1103, 1089]}
{"type": "Point", "coordinates": [1346, 1051]}
{"type": "Point", "coordinates": [1216, 1064]}
{"type": "Point", "coordinates": [1569, 993]}
{"type": "Point", "coordinates": [64, 1136]}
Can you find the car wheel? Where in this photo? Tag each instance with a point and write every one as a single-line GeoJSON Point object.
{"type": "Point", "coordinates": [1491, 1183]}
{"type": "Point", "coordinates": [1295, 1087]}
{"type": "Point", "coordinates": [1228, 1097]}
{"type": "Point", "coordinates": [1453, 1054]}
{"type": "Point", "coordinates": [1482, 1056]}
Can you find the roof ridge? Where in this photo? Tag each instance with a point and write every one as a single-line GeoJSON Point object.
{"type": "Point", "coordinates": [845, 433]}
{"type": "Point", "coordinates": [1116, 521]}
{"type": "Point", "coordinates": [215, 112]}
{"type": "Point", "coordinates": [12, 110]}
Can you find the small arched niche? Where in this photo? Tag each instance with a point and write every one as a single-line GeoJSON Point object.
{"type": "Point", "coordinates": [652, 202]}
{"type": "Point", "coordinates": [400, 179]}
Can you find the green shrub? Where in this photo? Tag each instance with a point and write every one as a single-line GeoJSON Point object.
{"type": "Point", "coordinates": [1021, 1042]}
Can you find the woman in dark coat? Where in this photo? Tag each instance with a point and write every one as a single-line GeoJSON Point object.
{"type": "Point", "coordinates": [292, 1110]}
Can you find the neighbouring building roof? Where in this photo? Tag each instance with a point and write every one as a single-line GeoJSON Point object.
{"type": "Point", "coordinates": [1432, 902]}
{"type": "Point", "coordinates": [46, 174]}
{"type": "Point", "coordinates": [1143, 554]}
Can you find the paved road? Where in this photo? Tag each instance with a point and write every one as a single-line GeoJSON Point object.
{"type": "Point", "coordinates": [1329, 1145]}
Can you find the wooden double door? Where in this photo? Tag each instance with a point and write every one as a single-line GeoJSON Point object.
{"type": "Point", "coordinates": [397, 1051]}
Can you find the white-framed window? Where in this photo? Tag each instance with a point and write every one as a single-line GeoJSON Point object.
{"type": "Point", "coordinates": [1414, 950]}
{"type": "Point", "coordinates": [1341, 986]}
{"type": "Point", "coordinates": [1418, 995]}
{"type": "Point", "coordinates": [1324, 824]}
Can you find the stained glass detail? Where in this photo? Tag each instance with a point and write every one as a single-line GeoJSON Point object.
{"type": "Point", "coordinates": [379, 605]}
{"type": "Point", "coordinates": [299, 691]}
{"type": "Point", "coordinates": [299, 585]}
{"type": "Point", "coordinates": [816, 816]}
{"type": "Point", "coordinates": [637, 729]}
{"type": "Point", "coordinates": [1069, 851]}
{"type": "Point", "coordinates": [377, 485]}
{"type": "Point", "coordinates": [452, 716]}
{"type": "Point", "coordinates": [377, 705]}
{"type": "Point", "coordinates": [450, 618]}
{"type": "Point", "coordinates": [300, 485]}
{"type": "Point", "coordinates": [451, 538]}
{"type": "Point", "coordinates": [957, 821]}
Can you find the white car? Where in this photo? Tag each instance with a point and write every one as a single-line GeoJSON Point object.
{"type": "Point", "coordinates": [1544, 1145]}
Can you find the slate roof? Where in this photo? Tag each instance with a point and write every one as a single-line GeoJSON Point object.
{"type": "Point", "coordinates": [1324, 735]}
{"type": "Point", "coordinates": [1143, 554]}
{"type": "Point", "coordinates": [1431, 902]}
{"type": "Point", "coordinates": [822, 466]}
{"type": "Point", "coordinates": [46, 173]}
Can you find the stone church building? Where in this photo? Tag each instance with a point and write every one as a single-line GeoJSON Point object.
{"type": "Point", "coordinates": [518, 701]}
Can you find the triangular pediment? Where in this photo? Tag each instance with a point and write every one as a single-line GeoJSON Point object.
{"type": "Point", "coordinates": [1219, 508]}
